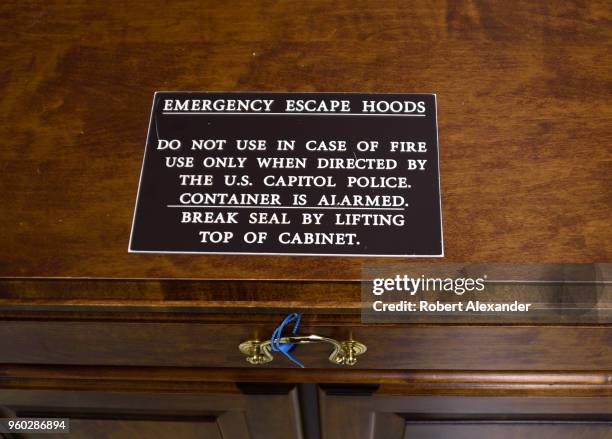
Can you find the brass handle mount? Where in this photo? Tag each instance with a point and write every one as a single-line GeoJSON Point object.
{"type": "Point", "coordinates": [345, 352]}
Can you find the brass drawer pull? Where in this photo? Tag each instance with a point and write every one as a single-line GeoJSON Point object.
{"type": "Point", "coordinates": [345, 352]}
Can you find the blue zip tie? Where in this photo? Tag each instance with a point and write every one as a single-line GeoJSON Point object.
{"type": "Point", "coordinates": [285, 348]}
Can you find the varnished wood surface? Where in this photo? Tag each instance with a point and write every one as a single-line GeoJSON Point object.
{"type": "Point", "coordinates": [339, 302]}
{"type": "Point", "coordinates": [226, 380]}
{"type": "Point", "coordinates": [116, 342]}
{"type": "Point", "coordinates": [414, 417]}
{"type": "Point", "coordinates": [524, 117]}
{"type": "Point", "coordinates": [397, 347]}
{"type": "Point", "coordinates": [213, 414]}
{"type": "Point", "coordinates": [117, 414]}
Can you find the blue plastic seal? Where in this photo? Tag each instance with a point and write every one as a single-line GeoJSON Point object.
{"type": "Point", "coordinates": [286, 348]}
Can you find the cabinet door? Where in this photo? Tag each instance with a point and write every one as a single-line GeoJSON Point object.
{"type": "Point", "coordinates": [126, 415]}
{"type": "Point", "coordinates": [433, 417]}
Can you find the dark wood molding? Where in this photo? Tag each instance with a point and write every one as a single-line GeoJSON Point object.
{"type": "Point", "coordinates": [595, 383]}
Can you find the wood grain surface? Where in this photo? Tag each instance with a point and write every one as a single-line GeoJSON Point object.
{"type": "Point", "coordinates": [398, 347]}
{"type": "Point", "coordinates": [227, 380]}
{"type": "Point", "coordinates": [524, 119]}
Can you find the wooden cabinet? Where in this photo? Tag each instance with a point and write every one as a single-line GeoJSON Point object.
{"type": "Point", "coordinates": [212, 340]}
{"type": "Point", "coordinates": [146, 345]}
{"type": "Point", "coordinates": [223, 410]}
{"type": "Point", "coordinates": [128, 374]}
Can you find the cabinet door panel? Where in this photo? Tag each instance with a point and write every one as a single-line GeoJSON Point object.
{"type": "Point", "coordinates": [508, 430]}
{"type": "Point", "coordinates": [431, 417]}
{"type": "Point", "coordinates": [129, 415]}
{"type": "Point", "coordinates": [129, 429]}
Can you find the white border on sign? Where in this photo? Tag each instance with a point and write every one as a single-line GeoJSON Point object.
{"type": "Point", "coordinates": [130, 250]}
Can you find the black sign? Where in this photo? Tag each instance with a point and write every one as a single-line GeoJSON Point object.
{"type": "Point", "coordinates": [341, 174]}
